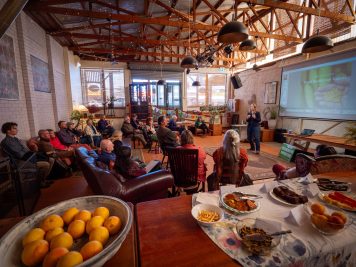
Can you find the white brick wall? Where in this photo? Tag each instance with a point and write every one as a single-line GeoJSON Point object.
{"type": "Point", "coordinates": [36, 110]}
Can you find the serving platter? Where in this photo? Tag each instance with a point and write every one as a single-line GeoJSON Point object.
{"type": "Point", "coordinates": [275, 197]}
{"type": "Point", "coordinates": [321, 196]}
{"type": "Point", "coordinates": [238, 211]}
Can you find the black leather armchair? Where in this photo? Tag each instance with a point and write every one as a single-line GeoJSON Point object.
{"type": "Point", "coordinates": [103, 182]}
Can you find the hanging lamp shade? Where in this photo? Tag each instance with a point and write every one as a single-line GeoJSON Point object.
{"type": "Point", "coordinates": [247, 45]}
{"type": "Point", "coordinates": [232, 32]}
{"type": "Point", "coordinates": [317, 44]}
{"type": "Point", "coordinates": [196, 83]}
{"type": "Point", "coordinates": [189, 62]}
{"type": "Point", "coordinates": [161, 82]}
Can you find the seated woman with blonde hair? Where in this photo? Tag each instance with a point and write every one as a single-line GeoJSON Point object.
{"type": "Point", "coordinates": [230, 161]}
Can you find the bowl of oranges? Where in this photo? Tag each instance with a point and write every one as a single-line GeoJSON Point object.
{"type": "Point", "coordinates": [327, 221]}
{"type": "Point", "coordinates": [85, 231]}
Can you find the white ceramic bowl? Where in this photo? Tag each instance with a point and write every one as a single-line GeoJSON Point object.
{"type": "Point", "coordinates": [11, 243]}
{"type": "Point", "coordinates": [200, 207]}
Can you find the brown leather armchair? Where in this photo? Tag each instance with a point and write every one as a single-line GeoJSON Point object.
{"type": "Point", "coordinates": [103, 182]}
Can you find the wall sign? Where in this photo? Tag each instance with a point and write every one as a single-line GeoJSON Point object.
{"type": "Point", "coordinates": [40, 75]}
{"type": "Point", "coordinates": [8, 77]}
{"type": "Point", "coordinates": [270, 93]}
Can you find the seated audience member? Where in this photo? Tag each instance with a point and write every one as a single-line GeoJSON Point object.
{"type": "Point", "coordinates": [129, 131]}
{"type": "Point", "coordinates": [91, 131]}
{"type": "Point", "coordinates": [104, 126]}
{"type": "Point", "coordinates": [67, 138]}
{"type": "Point", "coordinates": [56, 143]}
{"type": "Point", "coordinates": [166, 136]}
{"type": "Point", "coordinates": [45, 146]}
{"type": "Point", "coordinates": [126, 166]}
{"type": "Point", "coordinates": [200, 124]}
{"type": "Point", "coordinates": [106, 154]}
{"type": "Point", "coordinates": [150, 129]}
{"type": "Point", "coordinates": [282, 172]}
{"type": "Point", "coordinates": [230, 161]}
{"type": "Point", "coordinates": [187, 141]}
{"type": "Point", "coordinates": [116, 139]}
{"type": "Point", "coordinates": [138, 126]}
{"type": "Point", "coordinates": [172, 124]}
{"type": "Point", "coordinates": [13, 146]}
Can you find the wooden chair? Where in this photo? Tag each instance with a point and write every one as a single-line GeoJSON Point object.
{"type": "Point", "coordinates": [184, 168]}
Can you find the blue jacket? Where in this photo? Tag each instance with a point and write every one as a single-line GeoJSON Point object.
{"type": "Point", "coordinates": [251, 122]}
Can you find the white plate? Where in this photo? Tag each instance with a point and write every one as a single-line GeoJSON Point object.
{"type": "Point", "coordinates": [274, 196]}
{"type": "Point", "coordinates": [320, 195]}
{"type": "Point", "coordinates": [238, 211]}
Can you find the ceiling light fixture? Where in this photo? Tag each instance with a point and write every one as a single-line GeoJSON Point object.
{"type": "Point", "coordinates": [161, 81]}
{"type": "Point", "coordinates": [234, 31]}
{"type": "Point", "coordinates": [317, 43]}
{"type": "Point", "coordinates": [196, 83]}
{"type": "Point", "coordinates": [189, 61]}
{"type": "Point", "coordinates": [247, 45]}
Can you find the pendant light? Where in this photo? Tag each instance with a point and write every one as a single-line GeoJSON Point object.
{"type": "Point", "coordinates": [317, 43]}
{"type": "Point", "coordinates": [196, 83]}
{"type": "Point", "coordinates": [161, 81]}
{"type": "Point", "coordinates": [247, 45]}
{"type": "Point", "coordinates": [234, 31]}
{"type": "Point", "coordinates": [189, 62]}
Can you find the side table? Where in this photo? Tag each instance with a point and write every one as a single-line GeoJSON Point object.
{"type": "Point", "coordinates": [216, 129]}
{"type": "Point", "coordinates": [267, 135]}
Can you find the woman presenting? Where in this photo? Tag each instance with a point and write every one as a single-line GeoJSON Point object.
{"type": "Point", "coordinates": [253, 128]}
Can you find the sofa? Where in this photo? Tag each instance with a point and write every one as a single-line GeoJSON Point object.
{"type": "Point", "coordinates": [104, 182]}
{"type": "Point", "coordinates": [333, 163]}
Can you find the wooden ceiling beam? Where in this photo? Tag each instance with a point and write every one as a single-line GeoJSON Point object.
{"type": "Point", "coordinates": [135, 52]}
{"type": "Point", "coordinates": [215, 11]}
{"type": "Point", "coordinates": [99, 25]}
{"type": "Point", "coordinates": [114, 7]}
{"type": "Point", "coordinates": [137, 19]}
{"type": "Point", "coordinates": [295, 26]}
{"type": "Point", "coordinates": [302, 9]}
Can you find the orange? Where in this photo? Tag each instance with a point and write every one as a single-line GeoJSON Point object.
{"type": "Point", "coordinates": [100, 234]}
{"type": "Point", "coordinates": [113, 224]}
{"type": "Point", "coordinates": [33, 235]}
{"type": "Point", "coordinates": [69, 215]}
{"type": "Point", "coordinates": [51, 222]}
{"type": "Point", "coordinates": [94, 222]}
{"type": "Point", "coordinates": [83, 215]}
{"type": "Point", "coordinates": [63, 240]}
{"type": "Point", "coordinates": [76, 228]}
{"type": "Point", "coordinates": [70, 259]}
{"type": "Point", "coordinates": [54, 232]}
{"type": "Point", "coordinates": [34, 252]}
{"type": "Point", "coordinates": [102, 211]}
{"type": "Point", "coordinates": [341, 215]}
{"type": "Point", "coordinates": [53, 257]}
{"type": "Point", "coordinates": [90, 249]}
{"type": "Point", "coordinates": [318, 208]}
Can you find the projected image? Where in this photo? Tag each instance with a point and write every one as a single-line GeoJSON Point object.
{"type": "Point", "coordinates": [321, 88]}
{"type": "Point", "coordinates": [327, 86]}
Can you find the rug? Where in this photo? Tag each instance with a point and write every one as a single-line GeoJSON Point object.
{"type": "Point", "coordinates": [259, 166]}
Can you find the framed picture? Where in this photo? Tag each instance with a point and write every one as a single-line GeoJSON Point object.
{"type": "Point", "coordinates": [40, 75]}
{"type": "Point", "coordinates": [270, 93]}
{"type": "Point", "coordinates": [8, 76]}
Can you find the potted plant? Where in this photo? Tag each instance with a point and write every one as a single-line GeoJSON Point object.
{"type": "Point", "coordinates": [272, 118]}
{"type": "Point", "coordinates": [75, 116]}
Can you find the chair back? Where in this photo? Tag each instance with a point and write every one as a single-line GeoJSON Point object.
{"type": "Point", "coordinates": [184, 166]}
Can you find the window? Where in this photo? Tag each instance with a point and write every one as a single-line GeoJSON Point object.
{"type": "Point", "coordinates": [168, 95]}
{"type": "Point", "coordinates": [212, 89]}
{"type": "Point", "coordinates": [99, 86]}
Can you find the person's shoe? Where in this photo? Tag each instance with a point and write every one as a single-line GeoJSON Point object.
{"type": "Point", "coordinates": [257, 152]}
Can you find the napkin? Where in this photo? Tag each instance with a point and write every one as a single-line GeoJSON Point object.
{"type": "Point", "coordinates": [311, 190]}
{"type": "Point", "coordinates": [208, 198]}
{"type": "Point", "coordinates": [296, 215]}
{"type": "Point", "coordinates": [267, 187]}
{"type": "Point", "coordinates": [308, 179]}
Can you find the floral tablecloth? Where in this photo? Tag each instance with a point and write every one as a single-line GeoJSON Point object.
{"type": "Point", "coordinates": [304, 247]}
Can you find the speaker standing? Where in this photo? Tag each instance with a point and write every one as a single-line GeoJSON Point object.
{"type": "Point", "coordinates": [253, 128]}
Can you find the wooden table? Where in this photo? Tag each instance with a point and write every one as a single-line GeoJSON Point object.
{"type": "Point", "coordinates": [324, 139]}
{"type": "Point", "coordinates": [169, 236]}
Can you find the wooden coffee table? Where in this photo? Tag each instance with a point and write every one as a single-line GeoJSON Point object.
{"type": "Point", "coordinates": [169, 236]}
